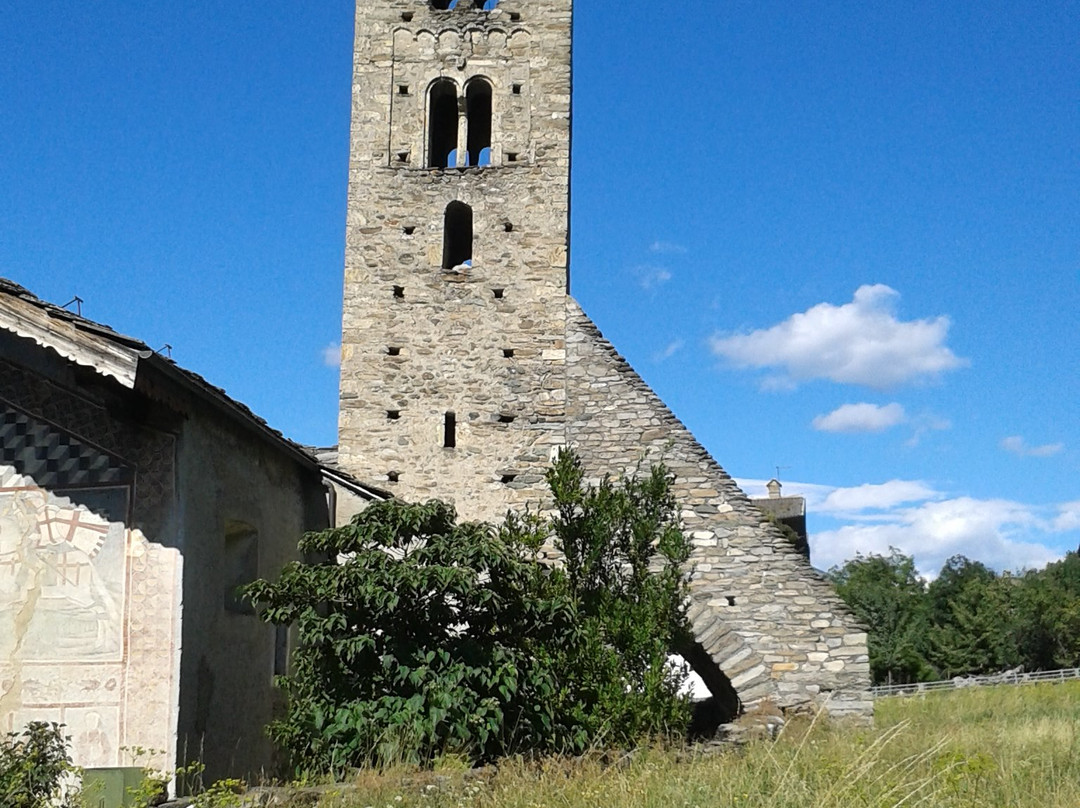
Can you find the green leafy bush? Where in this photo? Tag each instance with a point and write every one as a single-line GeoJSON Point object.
{"type": "Point", "coordinates": [422, 637]}
{"type": "Point", "coordinates": [33, 766]}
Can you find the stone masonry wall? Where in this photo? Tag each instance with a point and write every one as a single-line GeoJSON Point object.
{"type": "Point", "coordinates": [772, 624]}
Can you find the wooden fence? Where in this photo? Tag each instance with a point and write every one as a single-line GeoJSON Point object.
{"type": "Point", "coordinates": [1007, 678]}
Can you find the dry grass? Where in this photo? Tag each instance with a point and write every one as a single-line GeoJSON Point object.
{"type": "Point", "coordinates": [1006, 746]}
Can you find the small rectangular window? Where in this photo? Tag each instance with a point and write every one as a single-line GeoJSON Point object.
{"type": "Point", "coordinates": [399, 291]}
{"type": "Point", "coordinates": [403, 89]}
{"type": "Point", "coordinates": [508, 353]}
{"type": "Point", "coordinates": [450, 431]}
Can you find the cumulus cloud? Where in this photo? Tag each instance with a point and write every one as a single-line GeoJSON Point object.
{"type": "Point", "coordinates": [1017, 445]}
{"type": "Point", "coordinates": [1068, 517]}
{"type": "Point", "coordinates": [331, 355]}
{"type": "Point", "coordinates": [669, 351]}
{"type": "Point", "coordinates": [999, 533]}
{"type": "Point", "coordinates": [930, 525]}
{"type": "Point", "coordinates": [667, 248]}
{"type": "Point", "coordinates": [876, 497]}
{"type": "Point", "coordinates": [861, 342]}
{"type": "Point", "coordinates": [650, 277]}
{"type": "Point", "coordinates": [861, 418]}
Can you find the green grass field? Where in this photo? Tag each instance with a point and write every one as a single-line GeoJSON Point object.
{"type": "Point", "coordinates": [1004, 746]}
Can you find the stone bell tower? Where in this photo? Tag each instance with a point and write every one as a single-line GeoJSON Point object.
{"type": "Point", "coordinates": [456, 262]}
{"type": "Point", "coordinates": [466, 363]}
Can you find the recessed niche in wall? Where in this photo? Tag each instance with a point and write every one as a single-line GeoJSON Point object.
{"type": "Point", "coordinates": [393, 415]}
{"type": "Point", "coordinates": [512, 157]}
{"type": "Point", "coordinates": [499, 293]}
{"type": "Point", "coordinates": [508, 353]}
{"type": "Point", "coordinates": [393, 350]}
{"type": "Point", "coordinates": [393, 476]}
{"type": "Point", "coordinates": [508, 227]}
{"type": "Point", "coordinates": [507, 419]}
{"type": "Point", "coordinates": [399, 291]}
{"type": "Point", "coordinates": [516, 89]}
{"type": "Point", "coordinates": [408, 229]}
{"type": "Point", "coordinates": [730, 600]}
{"type": "Point", "coordinates": [508, 478]}
{"type": "Point", "coordinates": [406, 16]}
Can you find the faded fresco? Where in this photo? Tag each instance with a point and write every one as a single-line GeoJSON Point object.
{"type": "Point", "coordinates": [89, 608]}
{"type": "Point", "coordinates": [63, 574]}
{"type": "Point", "coordinates": [62, 578]}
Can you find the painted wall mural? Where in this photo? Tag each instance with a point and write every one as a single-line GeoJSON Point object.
{"type": "Point", "coordinates": [88, 607]}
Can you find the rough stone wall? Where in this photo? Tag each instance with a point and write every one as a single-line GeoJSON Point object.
{"type": "Point", "coordinates": [765, 617]}
{"type": "Point", "coordinates": [483, 341]}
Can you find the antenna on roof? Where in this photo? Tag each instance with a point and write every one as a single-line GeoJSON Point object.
{"type": "Point", "coordinates": [779, 469]}
{"type": "Point", "coordinates": [166, 349]}
{"type": "Point", "coordinates": [78, 301]}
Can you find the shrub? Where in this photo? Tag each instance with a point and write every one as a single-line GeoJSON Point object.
{"type": "Point", "coordinates": [422, 637]}
{"type": "Point", "coordinates": [33, 766]}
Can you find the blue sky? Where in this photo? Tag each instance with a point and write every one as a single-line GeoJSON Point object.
{"type": "Point", "coordinates": [840, 238]}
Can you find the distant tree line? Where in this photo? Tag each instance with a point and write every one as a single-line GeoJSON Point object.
{"type": "Point", "coordinates": [969, 620]}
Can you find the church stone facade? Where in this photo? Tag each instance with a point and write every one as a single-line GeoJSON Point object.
{"type": "Point", "coordinates": [466, 365]}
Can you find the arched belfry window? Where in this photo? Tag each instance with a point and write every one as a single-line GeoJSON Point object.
{"type": "Point", "coordinates": [478, 112]}
{"type": "Point", "coordinates": [457, 235]}
{"type": "Point", "coordinates": [442, 124]}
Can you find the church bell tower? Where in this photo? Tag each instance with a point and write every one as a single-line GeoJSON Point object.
{"type": "Point", "coordinates": [456, 264]}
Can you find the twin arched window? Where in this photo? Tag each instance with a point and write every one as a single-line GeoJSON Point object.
{"type": "Point", "coordinates": [444, 109]}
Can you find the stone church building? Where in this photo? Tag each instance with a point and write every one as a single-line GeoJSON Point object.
{"type": "Point", "coordinates": [466, 364]}
{"type": "Point", "coordinates": [135, 496]}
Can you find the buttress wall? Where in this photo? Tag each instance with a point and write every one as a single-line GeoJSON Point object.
{"type": "Point", "coordinates": [770, 622]}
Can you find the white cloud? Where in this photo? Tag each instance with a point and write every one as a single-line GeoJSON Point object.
{"type": "Point", "coordinates": [999, 533]}
{"type": "Point", "coordinates": [861, 342]}
{"type": "Point", "coordinates": [861, 418]}
{"type": "Point", "coordinates": [649, 277]}
{"type": "Point", "coordinates": [331, 355]}
{"type": "Point", "coordinates": [667, 248]}
{"type": "Point", "coordinates": [877, 497]}
{"type": "Point", "coordinates": [669, 351]}
{"type": "Point", "coordinates": [1017, 445]}
{"type": "Point", "coordinates": [1068, 517]}
{"type": "Point", "coordinates": [929, 525]}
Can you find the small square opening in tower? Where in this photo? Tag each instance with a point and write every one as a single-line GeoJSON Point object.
{"type": "Point", "coordinates": [408, 229]}
{"type": "Point", "coordinates": [393, 350]}
{"type": "Point", "coordinates": [403, 89]}
{"type": "Point", "coordinates": [508, 227]}
{"type": "Point", "coordinates": [508, 353]}
{"type": "Point", "coordinates": [403, 157]}
{"type": "Point", "coordinates": [508, 478]}
{"type": "Point", "coordinates": [507, 419]}
{"type": "Point", "coordinates": [393, 415]}
{"type": "Point", "coordinates": [730, 600]}
{"type": "Point", "coordinates": [499, 293]}
{"type": "Point", "coordinates": [516, 89]}
{"type": "Point", "coordinates": [406, 16]}
{"type": "Point", "coordinates": [511, 157]}
{"type": "Point", "coordinates": [399, 291]}
{"type": "Point", "coordinates": [393, 476]}
{"type": "Point", "coordinates": [515, 16]}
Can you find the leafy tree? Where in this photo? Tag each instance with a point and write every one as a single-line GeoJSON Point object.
{"type": "Point", "coordinates": [420, 636]}
{"type": "Point", "coordinates": [625, 568]}
{"type": "Point", "coordinates": [887, 595]}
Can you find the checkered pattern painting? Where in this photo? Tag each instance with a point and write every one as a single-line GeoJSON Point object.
{"type": "Point", "coordinates": [53, 459]}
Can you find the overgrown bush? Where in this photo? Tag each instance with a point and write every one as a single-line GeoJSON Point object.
{"type": "Point", "coordinates": [33, 766]}
{"type": "Point", "coordinates": [422, 637]}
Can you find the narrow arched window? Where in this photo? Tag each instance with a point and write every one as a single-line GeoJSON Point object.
{"type": "Point", "coordinates": [478, 110]}
{"type": "Point", "coordinates": [457, 235]}
{"type": "Point", "coordinates": [442, 123]}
